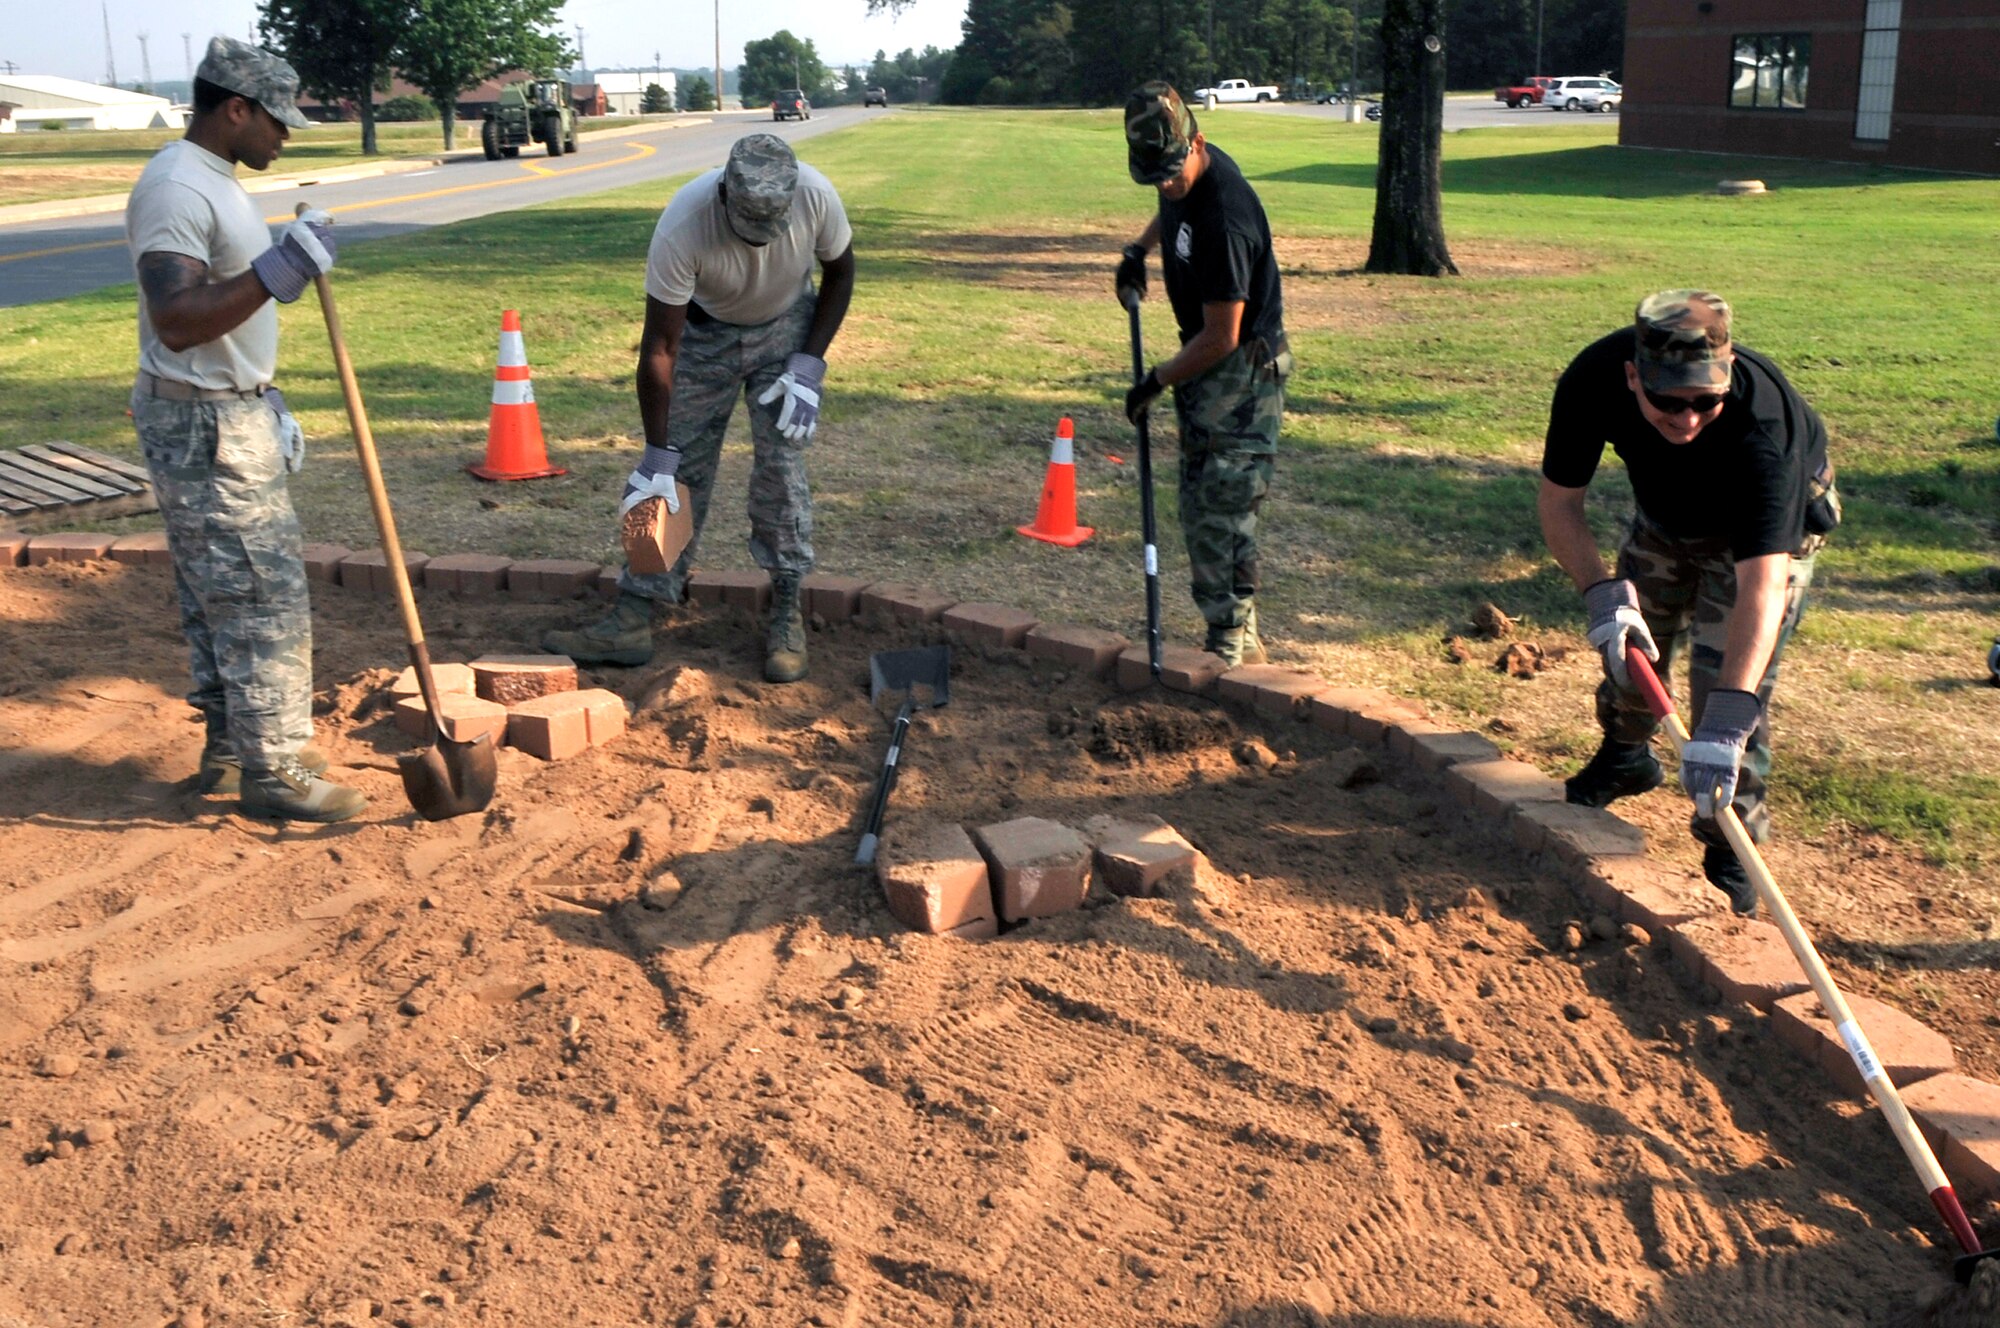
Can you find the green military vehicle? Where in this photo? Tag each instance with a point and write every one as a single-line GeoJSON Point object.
{"type": "Point", "coordinates": [538, 111]}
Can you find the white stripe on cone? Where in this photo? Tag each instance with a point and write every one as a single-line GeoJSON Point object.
{"type": "Point", "coordinates": [513, 351]}
{"type": "Point", "coordinates": [1062, 451]}
{"type": "Point", "coordinates": [513, 392]}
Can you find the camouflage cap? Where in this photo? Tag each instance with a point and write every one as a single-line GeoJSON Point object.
{"type": "Point", "coordinates": [1159, 130]}
{"type": "Point", "coordinates": [250, 71]}
{"type": "Point", "coordinates": [760, 179]}
{"type": "Point", "coordinates": [1683, 340]}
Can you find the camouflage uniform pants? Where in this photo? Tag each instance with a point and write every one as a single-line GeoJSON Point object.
{"type": "Point", "coordinates": [717, 362]}
{"type": "Point", "coordinates": [1686, 590]}
{"type": "Point", "coordinates": [238, 570]}
{"type": "Point", "coordinates": [1229, 419]}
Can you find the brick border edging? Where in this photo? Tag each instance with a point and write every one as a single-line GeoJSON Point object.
{"type": "Point", "coordinates": [1600, 855]}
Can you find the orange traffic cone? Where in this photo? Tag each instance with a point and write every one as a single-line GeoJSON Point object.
{"type": "Point", "coordinates": [514, 447]}
{"type": "Point", "coordinates": [1055, 518]}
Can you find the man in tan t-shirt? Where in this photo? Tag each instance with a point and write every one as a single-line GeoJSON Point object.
{"type": "Point", "coordinates": [730, 309]}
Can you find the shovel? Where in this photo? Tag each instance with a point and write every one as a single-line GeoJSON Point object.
{"type": "Point", "coordinates": [1915, 1147]}
{"type": "Point", "coordinates": [1146, 507]}
{"type": "Point", "coordinates": [890, 672]}
{"type": "Point", "coordinates": [448, 778]}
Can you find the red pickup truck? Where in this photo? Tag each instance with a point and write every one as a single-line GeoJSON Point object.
{"type": "Point", "coordinates": [1528, 93]}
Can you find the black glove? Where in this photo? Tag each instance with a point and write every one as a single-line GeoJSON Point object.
{"type": "Point", "coordinates": [1141, 396]}
{"type": "Point", "coordinates": [1131, 283]}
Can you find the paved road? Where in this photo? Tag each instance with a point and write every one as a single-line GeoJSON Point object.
{"type": "Point", "coordinates": [51, 260]}
{"type": "Point", "coordinates": [1459, 113]}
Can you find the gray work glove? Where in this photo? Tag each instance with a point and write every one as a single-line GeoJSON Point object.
{"type": "Point", "coordinates": [1713, 755]}
{"type": "Point", "coordinates": [1614, 624]}
{"type": "Point", "coordinates": [291, 438]}
{"type": "Point", "coordinates": [1131, 279]}
{"type": "Point", "coordinates": [799, 385]}
{"type": "Point", "coordinates": [304, 250]}
{"type": "Point", "coordinates": [653, 478]}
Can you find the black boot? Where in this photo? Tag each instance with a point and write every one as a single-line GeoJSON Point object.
{"type": "Point", "coordinates": [1619, 770]}
{"type": "Point", "coordinates": [1725, 872]}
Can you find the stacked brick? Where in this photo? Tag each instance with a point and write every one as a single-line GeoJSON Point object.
{"type": "Point", "coordinates": [527, 701]}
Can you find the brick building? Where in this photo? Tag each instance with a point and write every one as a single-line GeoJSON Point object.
{"type": "Point", "coordinates": [1897, 82]}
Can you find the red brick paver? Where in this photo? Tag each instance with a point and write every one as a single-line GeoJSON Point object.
{"type": "Point", "coordinates": [369, 571]}
{"type": "Point", "coordinates": [1137, 853]}
{"type": "Point", "coordinates": [833, 598]}
{"type": "Point", "coordinates": [1433, 748]}
{"type": "Point", "coordinates": [1361, 713]}
{"type": "Point", "coordinates": [554, 727]}
{"type": "Point", "coordinates": [1038, 868]}
{"type": "Point", "coordinates": [465, 718]}
{"type": "Point", "coordinates": [1090, 650]}
{"type": "Point", "coordinates": [904, 603]}
{"type": "Point", "coordinates": [551, 578]}
{"type": "Point", "coordinates": [604, 714]}
{"type": "Point", "coordinates": [1747, 961]}
{"type": "Point", "coordinates": [1961, 1115]}
{"type": "Point", "coordinates": [323, 561]}
{"type": "Point", "coordinates": [1908, 1049]}
{"type": "Point", "coordinates": [450, 680]}
{"type": "Point", "coordinates": [749, 590]}
{"type": "Point", "coordinates": [148, 549]}
{"type": "Point", "coordinates": [1495, 787]}
{"type": "Point", "coordinates": [511, 679]}
{"type": "Point", "coordinates": [13, 549]}
{"type": "Point", "coordinates": [983, 624]}
{"type": "Point", "coordinates": [1636, 889]}
{"type": "Point", "coordinates": [71, 547]}
{"type": "Point", "coordinates": [467, 573]}
{"type": "Point", "coordinates": [1268, 689]}
{"type": "Point", "coordinates": [934, 879]}
{"type": "Point", "coordinates": [1574, 835]}
{"type": "Point", "coordinates": [1182, 669]}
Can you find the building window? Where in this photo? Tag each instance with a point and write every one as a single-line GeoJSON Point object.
{"type": "Point", "coordinates": [1770, 70]}
{"type": "Point", "coordinates": [1880, 31]}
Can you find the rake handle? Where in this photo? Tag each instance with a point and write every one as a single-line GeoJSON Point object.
{"type": "Point", "coordinates": [1943, 1197]}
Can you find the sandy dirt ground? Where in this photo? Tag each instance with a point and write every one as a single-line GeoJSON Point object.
{"type": "Point", "coordinates": [640, 1045]}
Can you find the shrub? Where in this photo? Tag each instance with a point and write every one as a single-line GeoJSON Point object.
{"type": "Point", "coordinates": [408, 107]}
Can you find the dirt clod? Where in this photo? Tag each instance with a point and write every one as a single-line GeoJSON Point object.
{"type": "Point", "coordinates": [59, 1065]}
{"type": "Point", "coordinates": [1490, 624]}
{"type": "Point", "coordinates": [1254, 753]}
{"type": "Point", "coordinates": [1141, 729]}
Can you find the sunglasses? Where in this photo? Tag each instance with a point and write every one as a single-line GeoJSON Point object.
{"type": "Point", "coordinates": [1700, 405]}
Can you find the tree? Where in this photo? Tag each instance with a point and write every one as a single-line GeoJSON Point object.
{"type": "Point", "coordinates": [450, 46]}
{"type": "Point", "coordinates": [654, 100]}
{"type": "Point", "coordinates": [696, 94]}
{"type": "Point", "coordinates": [779, 61]}
{"type": "Point", "coordinates": [340, 48]}
{"type": "Point", "coordinates": [1409, 208]}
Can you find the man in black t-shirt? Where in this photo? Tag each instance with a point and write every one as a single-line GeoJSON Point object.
{"type": "Point", "coordinates": [1735, 496]}
{"type": "Point", "coordinates": [1229, 375]}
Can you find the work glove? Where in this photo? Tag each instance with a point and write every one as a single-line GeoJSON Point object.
{"type": "Point", "coordinates": [304, 250]}
{"type": "Point", "coordinates": [1131, 281]}
{"type": "Point", "coordinates": [654, 478]}
{"type": "Point", "coordinates": [1993, 663]}
{"type": "Point", "coordinates": [1142, 394]}
{"type": "Point", "coordinates": [1712, 756]}
{"type": "Point", "coordinates": [291, 438]}
{"type": "Point", "coordinates": [1615, 624]}
{"type": "Point", "coordinates": [799, 385]}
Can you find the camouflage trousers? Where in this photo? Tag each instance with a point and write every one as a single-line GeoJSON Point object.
{"type": "Point", "coordinates": [1686, 591]}
{"type": "Point", "coordinates": [719, 361]}
{"type": "Point", "coordinates": [238, 570]}
{"type": "Point", "coordinates": [1229, 419]}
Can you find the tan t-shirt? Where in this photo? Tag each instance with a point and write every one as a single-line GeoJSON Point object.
{"type": "Point", "coordinates": [188, 202]}
{"type": "Point", "coordinates": [695, 256]}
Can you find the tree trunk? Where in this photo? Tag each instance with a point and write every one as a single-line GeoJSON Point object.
{"type": "Point", "coordinates": [364, 101]}
{"type": "Point", "coordinates": [1409, 210]}
{"type": "Point", "coordinates": [448, 112]}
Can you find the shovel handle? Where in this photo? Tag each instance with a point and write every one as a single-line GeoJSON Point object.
{"type": "Point", "coordinates": [1915, 1147]}
{"type": "Point", "coordinates": [1146, 520]}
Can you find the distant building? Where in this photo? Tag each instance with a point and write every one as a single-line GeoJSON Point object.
{"type": "Point", "coordinates": [33, 102]}
{"type": "Point", "coordinates": [1899, 82]}
{"type": "Point", "coordinates": [625, 89]}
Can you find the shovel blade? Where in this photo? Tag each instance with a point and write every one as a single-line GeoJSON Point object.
{"type": "Point", "coordinates": [450, 778]}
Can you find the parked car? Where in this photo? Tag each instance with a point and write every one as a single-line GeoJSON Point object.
{"type": "Point", "coordinates": [1582, 94]}
{"type": "Point", "coordinates": [791, 104]}
{"type": "Point", "coordinates": [1528, 92]}
{"type": "Point", "coordinates": [1237, 89]}
{"type": "Point", "coordinates": [1334, 96]}
{"type": "Point", "coordinates": [875, 97]}
{"type": "Point", "coordinates": [1374, 110]}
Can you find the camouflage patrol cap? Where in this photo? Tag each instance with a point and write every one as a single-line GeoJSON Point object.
{"type": "Point", "coordinates": [1683, 340]}
{"type": "Point", "coordinates": [1159, 131]}
{"type": "Point", "coordinates": [760, 179]}
{"type": "Point", "coordinates": [250, 71]}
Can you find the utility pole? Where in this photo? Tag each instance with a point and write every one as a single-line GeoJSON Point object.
{"type": "Point", "coordinates": [582, 65]}
{"type": "Point", "coordinates": [1354, 88]}
{"type": "Point", "coordinates": [110, 65]}
{"type": "Point", "coordinates": [145, 60]}
{"type": "Point", "coordinates": [1538, 36]}
{"type": "Point", "coordinates": [187, 53]}
{"type": "Point", "coordinates": [718, 55]}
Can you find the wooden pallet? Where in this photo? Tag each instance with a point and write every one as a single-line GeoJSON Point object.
{"type": "Point", "coordinates": [55, 484]}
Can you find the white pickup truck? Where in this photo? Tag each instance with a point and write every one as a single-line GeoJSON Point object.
{"type": "Point", "coordinates": [1236, 89]}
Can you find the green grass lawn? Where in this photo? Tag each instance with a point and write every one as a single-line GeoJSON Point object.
{"type": "Point", "coordinates": [1405, 497]}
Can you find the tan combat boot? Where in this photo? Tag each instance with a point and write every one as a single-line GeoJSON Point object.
{"type": "Point", "coordinates": [1237, 645]}
{"type": "Point", "coordinates": [785, 641]}
{"type": "Point", "coordinates": [290, 792]}
{"type": "Point", "coordinates": [623, 636]}
{"type": "Point", "coordinates": [222, 772]}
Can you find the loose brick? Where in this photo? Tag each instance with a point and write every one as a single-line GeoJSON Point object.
{"type": "Point", "coordinates": [1138, 854]}
{"type": "Point", "coordinates": [1433, 748]}
{"type": "Point", "coordinates": [749, 590]}
{"type": "Point", "coordinates": [1573, 835]}
{"type": "Point", "coordinates": [1038, 868]}
{"type": "Point", "coordinates": [554, 727]}
{"type": "Point", "coordinates": [1495, 787]}
{"type": "Point", "coordinates": [512, 679]}
{"type": "Point", "coordinates": [982, 624]}
{"type": "Point", "coordinates": [465, 718]}
{"type": "Point", "coordinates": [144, 550]}
{"type": "Point", "coordinates": [72, 547]}
{"type": "Point", "coordinates": [449, 679]}
{"type": "Point", "coordinates": [13, 549]}
{"type": "Point", "coordinates": [1361, 713]}
{"type": "Point", "coordinates": [934, 878]}
{"type": "Point", "coordinates": [904, 603]}
{"type": "Point", "coordinates": [1908, 1049]}
{"type": "Point", "coordinates": [1747, 961]}
{"type": "Point", "coordinates": [467, 573]}
{"type": "Point", "coordinates": [1182, 669]}
{"type": "Point", "coordinates": [369, 571]}
{"type": "Point", "coordinates": [1961, 1115]}
{"type": "Point", "coordinates": [1269, 690]}
{"type": "Point", "coordinates": [1637, 889]}
{"type": "Point", "coordinates": [323, 561]}
{"type": "Point", "coordinates": [833, 598]}
{"type": "Point", "coordinates": [551, 578]}
{"type": "Point", "coordinates": [1090, 650]}
{"type": "Point", "coordinates": [604, 714]}
{"type": "Point", "coordinates": [985, 929]}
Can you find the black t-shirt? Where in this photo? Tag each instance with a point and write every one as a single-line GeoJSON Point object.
{"type": "Point", "coordinates": [1743, 479]}
{"type": "Point", "coordinates": [1215, 246]}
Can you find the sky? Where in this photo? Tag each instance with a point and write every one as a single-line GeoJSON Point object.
{"type": "Point", "coordinates": [56, 39]}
